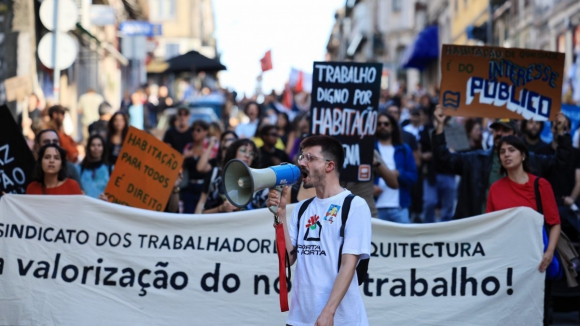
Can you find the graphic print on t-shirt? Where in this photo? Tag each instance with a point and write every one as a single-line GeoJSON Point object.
{"type": "Point", "coordinates": [331, 213]}
{"type": "Point", "coordinates": [313, 229]}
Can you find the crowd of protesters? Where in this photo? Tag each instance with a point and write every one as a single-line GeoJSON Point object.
{"type": "Point", "coordinates": [420, 176]}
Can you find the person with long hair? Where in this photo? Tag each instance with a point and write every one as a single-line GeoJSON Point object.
{"type": "Point", "coordinates": [393, 204]}
{"type": "Point", "coordinates": [193, 179]}
{"type": "Point", "coordinates": [284, 127]}
{"type": "Point", "coordinates": [206, 163]}
{"type": "Point", "coordinates": [94, 170]}
{"type": "Point", "coordinates": [517, 189]}
{"type": "Point", "coordinates": [117, 129]}
{"type": "Point", "coordinates": [301, 129]}
{"type": "Point", "coordinates": [244, 150]}
{"type": "Point", "coordinates": [51, 177]}
{"type": "Point", "coordinates": [474, 133]}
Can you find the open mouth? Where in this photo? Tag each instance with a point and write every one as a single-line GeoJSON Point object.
{"type": "Point", "coordinates": [304, 174]}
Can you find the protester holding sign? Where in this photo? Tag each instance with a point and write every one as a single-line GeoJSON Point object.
{"type": "Point", "coordinates": [94, 170]}
{"type": "Point", "coordinates": [479, 169]}
{"type": "Point", "coordinates": [51, 177]}
{"type": "Point", "coordinates": [116, 131]}
{"type": "Point", "coordinates": [520, 188]}
{"type": "Point", "coordinates": [517, 189]}
{"type": "Point", "coordinates": [322, 293]}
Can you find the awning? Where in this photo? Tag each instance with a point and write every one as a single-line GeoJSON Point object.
{"type": "Point", "coordinates": [424, 49]}
{"type": "Point", "coordinates": [193, 61]}
{"type": "Point", "coordinates": [156, 67]}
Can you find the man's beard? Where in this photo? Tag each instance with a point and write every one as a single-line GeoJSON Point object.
{"type": "Point", "coordinates": [383, 135]}
{"type": "Point", "coordinates": [530, 134]}
{"type": "Point", "coordinates": [312, 177]}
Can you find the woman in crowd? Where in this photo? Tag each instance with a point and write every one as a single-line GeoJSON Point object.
{"type": "Point", "coordinates": [51, 177]}
{"type": "Point", "coordinates": [301, 129]}
{"type": "Point", "coordinates": [242, 149]}
{"type": "Point", "coordinates": [116, 132]}
{"type": "Point", "coordinates": [193, 178]}
{"type": "Point", "coordinates": [284, 127]}
{"type": "Point", "coordinates": [206, 162]}
{"type": "Point", "coordinates": [257, 139]}
{"type": "Point", "coordinates": [248, 129]}
{"type": "Point", "coordinates": [94, 170]}
{"type": "Point", "coordinates": [474, 133]}
{"type": "Point", "coordinates": [517, 189]}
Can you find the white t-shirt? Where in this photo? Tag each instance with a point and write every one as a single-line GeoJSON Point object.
{"type": "Point", "coordinates": [413, 130]}
{"type": "Point", "coordinates": [389, 198]}
{"type": "Point", "coordinates": [317, 244]}
{"type": "Point", "coordinates": [247, 130]}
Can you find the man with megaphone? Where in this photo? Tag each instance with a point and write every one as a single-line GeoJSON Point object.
{"type": "Point", "coordinates": [325, 252]}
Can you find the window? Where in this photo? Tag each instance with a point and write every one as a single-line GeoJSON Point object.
{"type": "Point", "coordinates": [397, 5]}
{"type": "Point", "coordinates": [162, 9]}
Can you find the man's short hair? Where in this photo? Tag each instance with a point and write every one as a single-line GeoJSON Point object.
{"type": "Point", "coordinates": [331, 148]}
{"type": "Point", "coordinates": [105, 108]}
{"type": "Point", "coordinates": [42, 132]}
{"type": "Point", "coordinates": [56, 108]}
{"type": "Point", "coordinates": [266, 129]}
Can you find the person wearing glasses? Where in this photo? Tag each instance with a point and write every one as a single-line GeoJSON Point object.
{"type": "Point", "coordinates": [269, 154]}
{"type": "Point", "coordinates": [193, 178]}
{"type": "Point", "coordinates": [214, 194]}
{"type": "Point", "coordinates": [179, 135]}
{"type": "Point", "coordinates": [393, 204]}
{"type": "Point", "coordinates": [320, 294]}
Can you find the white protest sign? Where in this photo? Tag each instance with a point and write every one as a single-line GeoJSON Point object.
{"type": "Point", "coordinates": [109, 264]}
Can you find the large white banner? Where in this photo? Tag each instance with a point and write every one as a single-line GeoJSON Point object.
{"type": "Point", "coordinates": [73, 260]}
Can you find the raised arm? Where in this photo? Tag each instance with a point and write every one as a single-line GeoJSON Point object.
{"type": "Point", "coordinates": [203, 165]}
{"type": "Point", "coordinates": [445, 161]}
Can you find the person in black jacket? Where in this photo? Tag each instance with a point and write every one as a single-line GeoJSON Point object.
{"type": "Point", "coordinates": [479, 169]}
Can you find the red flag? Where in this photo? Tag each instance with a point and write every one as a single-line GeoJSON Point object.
{"type": "Point", "coordinates": [266, 61]}
{"type": "Point", "coordinates": [288, 97]}
{"type": "Point", "coordinates": [300, 82]}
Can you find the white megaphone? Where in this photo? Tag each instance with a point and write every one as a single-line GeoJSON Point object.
{"type": "Point", "coordinates": [241, 181]}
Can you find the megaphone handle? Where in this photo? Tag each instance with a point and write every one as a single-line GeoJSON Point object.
{"type": "Point", "coordinates": [274, 209]}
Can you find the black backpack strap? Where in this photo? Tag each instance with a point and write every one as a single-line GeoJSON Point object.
{"type": "Point", "coordinates": [345, 211]}
{"type": "Point", "coordinates": [301, 211]}
{"type": "Point", "coordinates": [539, 207]}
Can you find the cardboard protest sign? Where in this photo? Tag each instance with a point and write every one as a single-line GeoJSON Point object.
{"type": "Point", "coordinates": [456, 137]}
{"type": "Point", "coordinates": [16, 160]}
{"type": "Point", "coordinates": [494, 82]}
{"type": "Point", "coordinates": [17, 88]}
{"type": "Point", "coordinates": [344, 105]}
{"type": "Point", "coordinates": [86, 257]}
{"type": "Point", "coordinates": [145, 172]}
